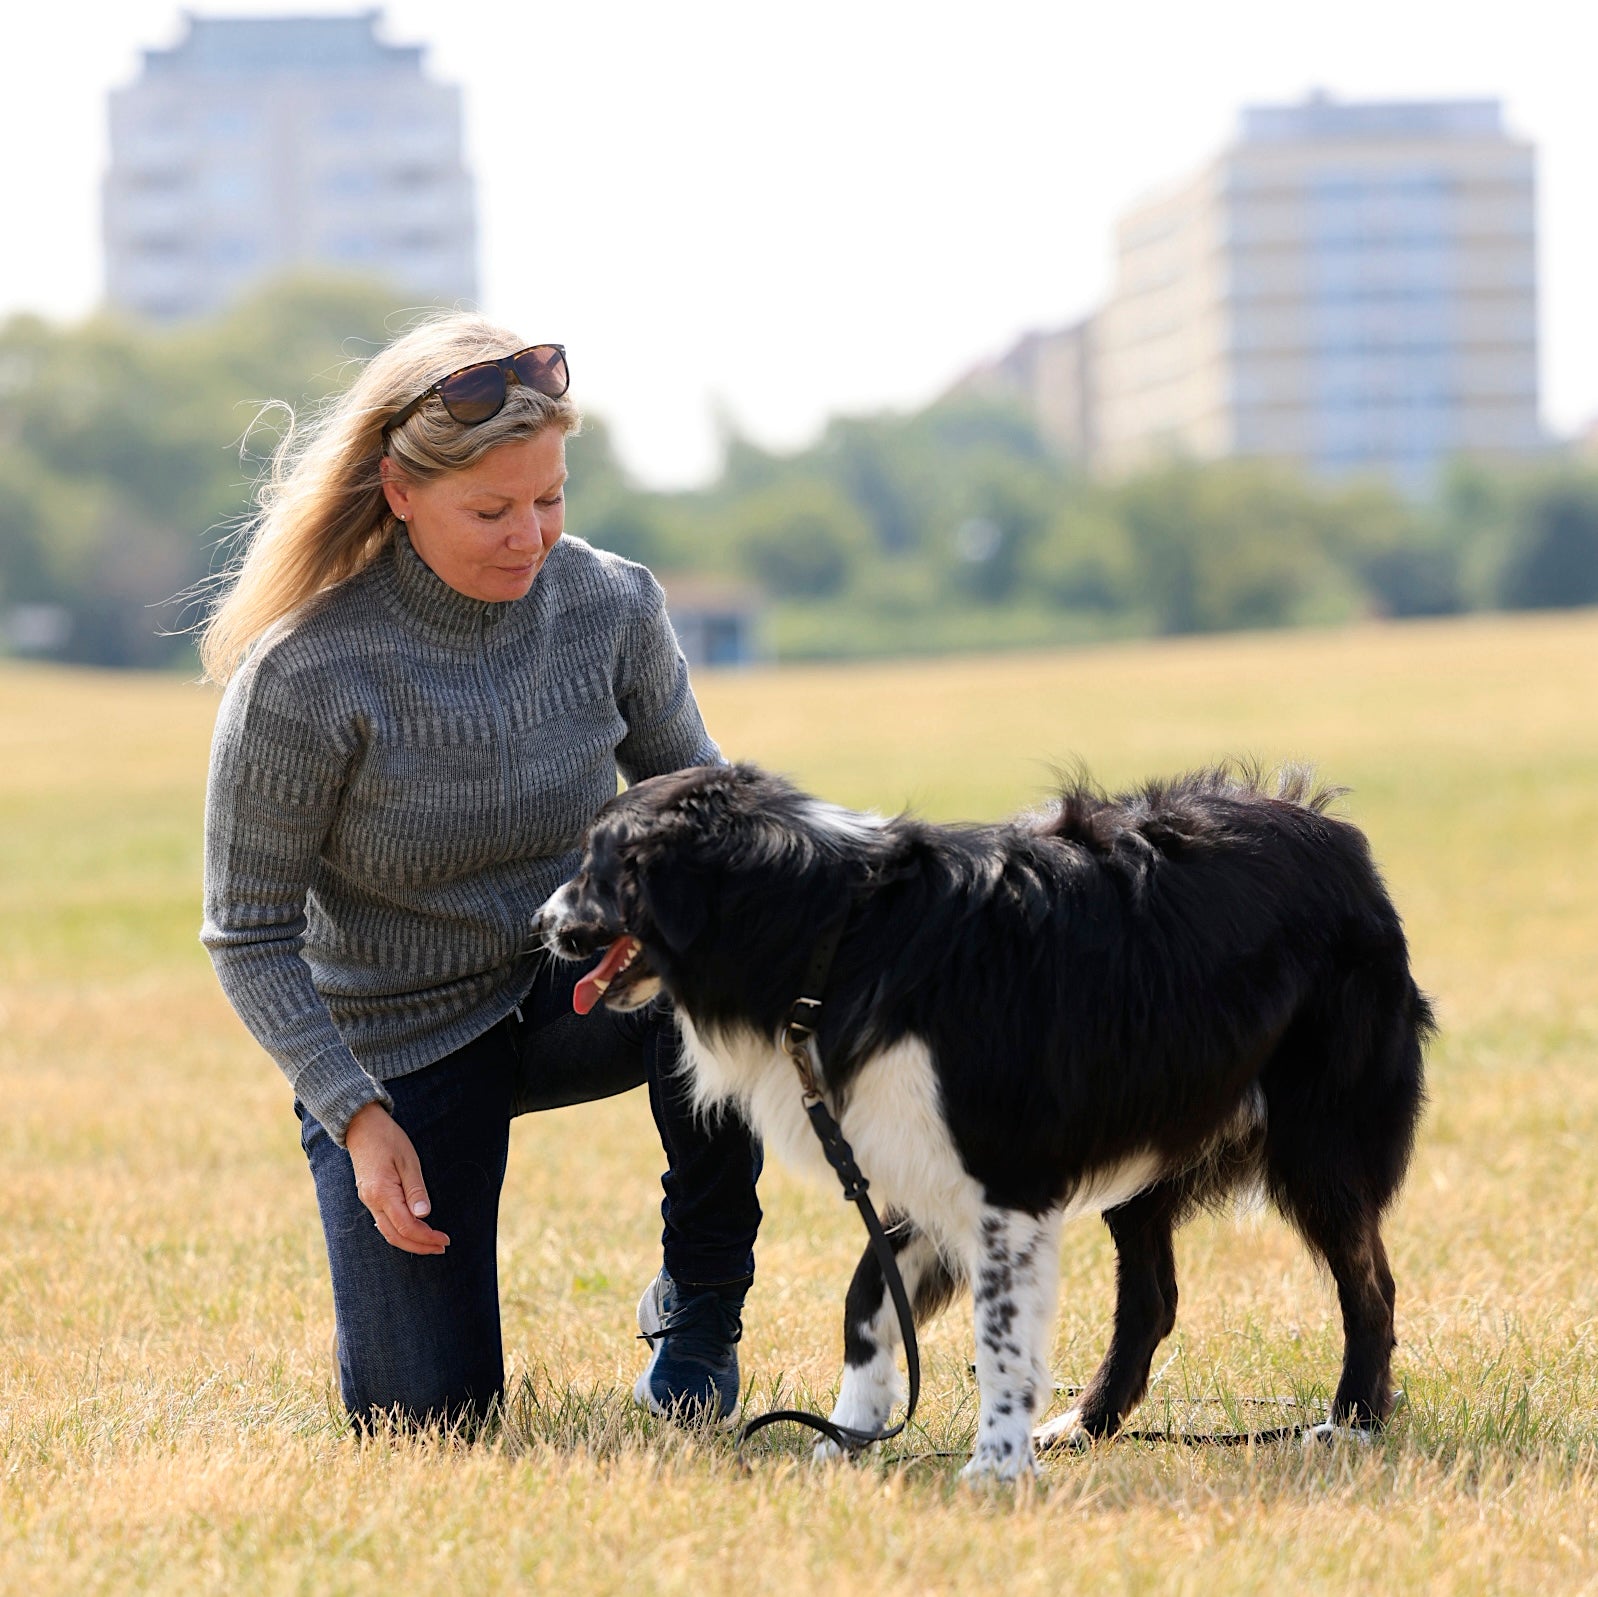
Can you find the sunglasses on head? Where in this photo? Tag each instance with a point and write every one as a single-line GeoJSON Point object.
{"type": "Point", "coordinates": [476, 392]}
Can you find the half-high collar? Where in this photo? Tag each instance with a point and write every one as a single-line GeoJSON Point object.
{"type": "Point", "coordinates": [442, 614]}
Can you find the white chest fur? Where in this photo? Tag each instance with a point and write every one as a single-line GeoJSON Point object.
{"type": "Point", "coordinates": [893, 1120]}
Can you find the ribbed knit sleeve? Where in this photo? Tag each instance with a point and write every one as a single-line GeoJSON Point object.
{"type": "Point", "coordinates": [273, 793]}
{"type": "Point", "coordinates": [664, 729]}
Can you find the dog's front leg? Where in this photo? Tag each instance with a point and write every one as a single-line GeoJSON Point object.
{"type": "Point", "coordinates": [1015, 1274]}
{"type": "Point", "coordinates": [871, 1384]}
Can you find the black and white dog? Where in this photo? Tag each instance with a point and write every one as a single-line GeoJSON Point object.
{"type": "Point", "coordinates": [1133, 1006]}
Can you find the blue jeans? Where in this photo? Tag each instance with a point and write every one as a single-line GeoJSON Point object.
{"type": "Point", "coordinates": [420, 1336]}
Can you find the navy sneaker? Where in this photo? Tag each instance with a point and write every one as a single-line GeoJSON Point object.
{"type": "Point", "coordinates": [692, 1375]}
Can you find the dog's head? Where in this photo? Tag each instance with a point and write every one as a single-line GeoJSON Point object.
{"type": "Point", "coordinates": [679, 869]}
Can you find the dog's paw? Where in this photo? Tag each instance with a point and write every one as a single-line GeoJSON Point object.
{"type": "Point", "coordinates": [1065, 1433]}
{"type": "Point", "coordinates": [867, 1395]}
{"type": "Point", "coordinates": [998, 1465]}
{"type": "Point", "coordinates": [864, 1418]}
{"type": "Point", "coordinates": [1328, 1434]}
{"type": "Point", "coordinates": [827, 1451]}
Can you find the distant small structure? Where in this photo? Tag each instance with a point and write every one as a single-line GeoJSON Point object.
{"type": "Point", "coordinates": [256, 145]}
{"type": "Point", "coordinates": [717, 622]}
{"type": "Point", "coordinates": [34, 629]}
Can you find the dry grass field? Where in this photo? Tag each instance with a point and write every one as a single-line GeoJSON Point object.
{"type": "Point", "coordinates": [166, 1411]}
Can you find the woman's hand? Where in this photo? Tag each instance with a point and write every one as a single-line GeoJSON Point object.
{"type": "Point", "coordinates": [388, 1179]}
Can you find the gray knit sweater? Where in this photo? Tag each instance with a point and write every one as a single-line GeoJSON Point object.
{"type": "Point", "coordinates": [398, 781]}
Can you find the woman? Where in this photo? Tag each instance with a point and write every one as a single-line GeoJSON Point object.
{"type": "Point", "coordinates": [429, 694]}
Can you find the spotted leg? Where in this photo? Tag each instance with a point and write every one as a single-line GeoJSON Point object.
{"type": "Point", "coordinates": [871, 1385]}
{"type": "Point", "coordinates": [1015, 1279]}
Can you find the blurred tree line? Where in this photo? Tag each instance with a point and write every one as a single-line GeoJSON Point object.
{"type": "Point", "coordinates": [127, 454]}
{"type": "Point", "coordinates": [127, 457]}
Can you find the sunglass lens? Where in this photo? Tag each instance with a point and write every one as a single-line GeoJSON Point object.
{"type": "Point", "coordinates": [543, 369]}
{"type": "Point", "coordinates": [475, 394]}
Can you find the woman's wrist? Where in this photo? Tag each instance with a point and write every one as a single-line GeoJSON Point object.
{"type": "Point", "coordinates": [364, 1118]}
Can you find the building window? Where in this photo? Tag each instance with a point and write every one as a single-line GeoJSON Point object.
{"type": "Point", "coordinates": [350, 119]}
{"type": "Point", "coordinates": [724, 641]}
{"type": "Point", "coordinates": [349, 182]}
{"type": "Point", "coordinates": [157, 180]}
{"type": "Point", "coordinates": [230, 122]}
{"type": "Point", "coordinates": [235, 252]}
{"type": "Point", "coordinates": [352, 247]}
{"type": "Point", "coordinates": [234, 186]}
{"type": "Point", "coordinates": [162, 246]}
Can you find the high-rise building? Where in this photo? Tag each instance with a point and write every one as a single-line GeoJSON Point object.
{"type": "Point", "coordinates": [1348, 286]}
{"type": "Point", "coordinates": [261, 144]}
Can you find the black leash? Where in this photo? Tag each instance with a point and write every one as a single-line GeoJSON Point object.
{"type": "Point", "coordinates": [1276, 1433]}
{"type": "Point", "coordinates": [798, 1039]}
{"type": "Point", "coordinates": [1297, 1431]}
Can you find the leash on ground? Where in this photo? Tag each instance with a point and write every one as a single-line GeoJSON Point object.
{"type": "Point", "coordinates": [1187, 1438]}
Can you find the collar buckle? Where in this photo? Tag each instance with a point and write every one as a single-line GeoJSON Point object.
{"type": "Point", "coordinates": [798, 1035]}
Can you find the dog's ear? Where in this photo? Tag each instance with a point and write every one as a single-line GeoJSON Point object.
{"type": "Point", "coordinates": [677, 903]}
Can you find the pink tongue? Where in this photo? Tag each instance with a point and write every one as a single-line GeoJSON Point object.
{"type": "Point", "coordinates": [592, 987]}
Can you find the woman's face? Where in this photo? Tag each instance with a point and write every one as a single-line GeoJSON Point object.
{"type": "Point", "coordinates": [486, 529]}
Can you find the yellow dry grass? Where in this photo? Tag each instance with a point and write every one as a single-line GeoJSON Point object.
{"type": "Point", "coordinates": [166, 1421]}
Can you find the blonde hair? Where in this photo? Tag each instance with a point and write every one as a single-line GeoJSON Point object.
{"type": "Point", "coordinates": [321, 515]}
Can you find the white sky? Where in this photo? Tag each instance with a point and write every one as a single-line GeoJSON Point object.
{"type": "Point", "coordinates": [781, 211]}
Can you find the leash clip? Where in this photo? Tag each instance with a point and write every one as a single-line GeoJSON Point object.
{"type": "Point", "coordinates": [798, 1033]}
